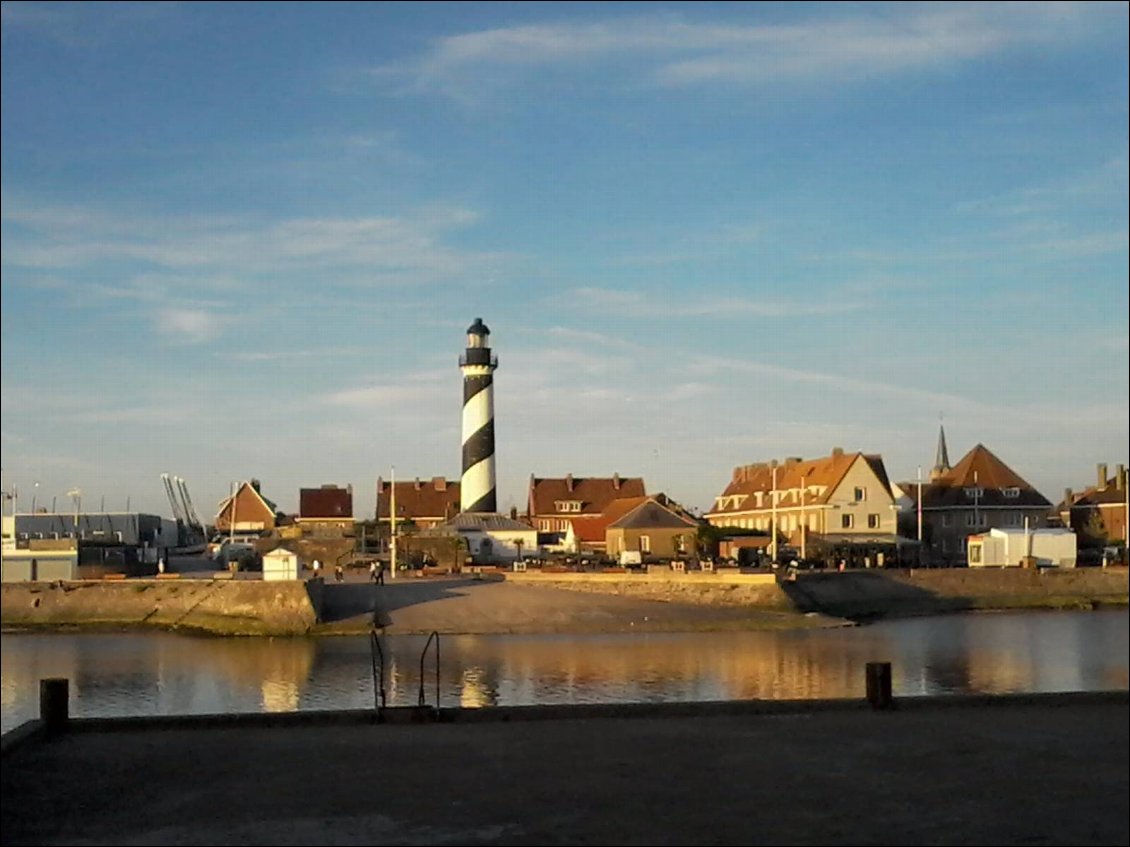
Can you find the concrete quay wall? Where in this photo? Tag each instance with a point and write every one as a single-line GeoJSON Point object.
{"type": "Point", "coordinates": [220, 606]}
{"type": "Point", "coordinates": [868, 593]}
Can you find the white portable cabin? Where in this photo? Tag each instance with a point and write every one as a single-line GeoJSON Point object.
{"type": "Point", "coordinates": [1001, 548]}
{"type": "Point", "coordinates": [280, 564]}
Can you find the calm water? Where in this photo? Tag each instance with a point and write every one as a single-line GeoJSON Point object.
{"type": "Point", "coordinates": [163, 674]}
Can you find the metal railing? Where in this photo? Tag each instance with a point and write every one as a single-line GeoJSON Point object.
{"type": "Point", "coordinates": [423, 701]}
{"type": "Point", "coordinates": [377, 654]}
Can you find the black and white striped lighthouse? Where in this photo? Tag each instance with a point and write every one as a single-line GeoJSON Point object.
{"type": "Point", "coordinates": [476, 492]}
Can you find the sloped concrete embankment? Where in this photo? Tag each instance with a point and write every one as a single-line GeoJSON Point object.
{"type": "Point", "coordinates": [896, 593]}
{"type": "Point", "coordinates": [221, 607]}
{"type": "Point", "coordinates": [759, 591]}
{"type": "Point", "coordinates": [862, 595]}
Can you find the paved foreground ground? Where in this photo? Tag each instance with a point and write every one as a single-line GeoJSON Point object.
{"type": "Point", "coordinates": [1033, 770]}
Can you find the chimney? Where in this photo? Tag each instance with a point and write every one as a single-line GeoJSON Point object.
{"type": "Point", "coordinates": [569, 481]}
{"type": "Point", "coordinates": [1120, 477]}
{"type": "Point", "coordinates": [255, 484]}
{"type": "Point", "coordinates": [616, 481]}
{"type": "Point", "coordinates": [1068, 494]}
{"type": "Point", "coordinates": [440, 483]}
{"type": "Point", "coordinates": [1100, 472]}
{"type": "Point", "coordinates": [837, 452]}
{"type": "Point", "coordinates": [416, 484]}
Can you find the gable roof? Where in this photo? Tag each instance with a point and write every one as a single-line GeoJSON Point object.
{"type": "Point", "coordinates": [650, 514]}
{"type": "Point", "coordinates": [593, 493]}
{"type": "Point", "coordinates": [434, 498]}
{"type": "Point", "coordinates": [825, 473]}
{"type": "Point", "coordinates": [979, 469]}
{"type": "Point", "coordinates": [253, 487]}
{"type": "Point", "coordinates": [1112, 494]}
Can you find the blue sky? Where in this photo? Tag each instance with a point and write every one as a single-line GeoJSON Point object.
{"type": "Point", "coordinates": [245, 240]}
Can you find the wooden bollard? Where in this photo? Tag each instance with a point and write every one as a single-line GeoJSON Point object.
{"type": "Point", "coordinates": [879, 685]}
{"type": "Point", "coordinates": [54, 704]}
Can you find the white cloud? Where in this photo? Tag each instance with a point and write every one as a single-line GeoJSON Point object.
{"type": "Point", "coordinates": [189, 326]}
{"type": "Point", "coordinates": [672, 51]}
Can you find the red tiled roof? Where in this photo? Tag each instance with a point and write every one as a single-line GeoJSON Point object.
{"type": "Point", "coordinates": [326, 502]}
{"type": "Point", "coordinates": [594, 493]}
{"type": "Point", "coordinates": [979, 469]}
{"type": "Point", "coordinates": [433, 498]}
{"type": "Point", "coordinates": [826, 473]}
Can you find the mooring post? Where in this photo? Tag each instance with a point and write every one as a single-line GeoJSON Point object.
{"type": "Point", "coordinates": [879, 685]}
{"type": "Point", "coordinates": [54, 703]}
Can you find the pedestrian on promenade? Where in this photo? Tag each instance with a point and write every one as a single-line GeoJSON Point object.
{"type": "Point", "coordinates": [317, 566]}
{"type": "Point", "coordinates": [161, 565]}
{"type": "Point", "coordinates": [339, 574]}
{"type": "Point", "coordinates": [372, 572]}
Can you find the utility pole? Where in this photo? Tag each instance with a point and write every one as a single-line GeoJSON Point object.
{"type": "Point", "coordinates": [773, 517]}
{"type": "Point", "coordinates": [392, 525]}
{"type": "Point", "coordinates": [919, 499]}
{"type": "Point", "coordinates": [803, 524]}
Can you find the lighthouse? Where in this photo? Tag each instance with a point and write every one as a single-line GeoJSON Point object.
{"type": "Point", "coordinates": [477, 488]}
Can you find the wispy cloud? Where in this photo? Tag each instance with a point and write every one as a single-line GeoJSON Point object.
{"type": "Point", "coordinates": [82, 25]}
{"type": "Point", "coordinates": [423, 392]}
{"type": "Point", "coordinates": [396, 249]}
{"type": "Point", "coordinates": [657, 305]}
{"type": "Point", "coordinates": [672, 51]}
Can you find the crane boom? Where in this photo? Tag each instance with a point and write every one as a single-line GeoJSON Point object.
{"type": "Point", "coordinates": [178, 514]}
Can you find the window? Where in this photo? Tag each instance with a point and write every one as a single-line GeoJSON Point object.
{"type": "Point", "coordinates": [974, 554]}
{"type": "Point", "coordinates": [974, 491]}
{"type": "Point", "coordinates": [860, 494]}
{"type": "Point", "coordinates": [1012, 519]}
{"type": "Point", "coordinates": [970, 519]}
{"type": "Point", "coordinates": [872, 521]}
{"type": "Point", "coordinates": [645, 543]}
{"type": "Point", "coordinates": [1011, 493]}
{"type": "Point", "coordinates": [847, 521]}
{"type": "Point", "coordinates": [946, 520]}
{"type": "Point", "coordinates": [945, 546]}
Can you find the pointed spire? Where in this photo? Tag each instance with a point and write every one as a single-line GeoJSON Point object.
{"type": "Point", "coordinates": [942, 458]}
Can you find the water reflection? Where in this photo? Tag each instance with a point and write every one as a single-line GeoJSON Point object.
{"type": "Point", "coordinates": [157, 673]}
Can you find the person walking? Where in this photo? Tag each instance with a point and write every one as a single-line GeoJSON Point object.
{"type": "Point", "coordinates": [373, 572]}
{"type": "Point", "coordinates": [317, 566]}
{"type": "Point", "coordinates": [339, 574]}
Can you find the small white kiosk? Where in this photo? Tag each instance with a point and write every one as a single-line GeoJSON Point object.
{"type": "Point", "coordinates": [280, 564]}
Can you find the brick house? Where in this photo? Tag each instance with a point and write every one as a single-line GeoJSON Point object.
{"type": "Point", "coordinates": [978, 494]}
{"type": "Point", "coordinates": [555, 505]}
{"type": "Point", "coordinates": [1097, 514]}
{"type": "Point", "coordinates": [328, 509]}
{"type": "Point", "coordinates": [427, 504]}
{"type": "Point", "coordinates": [251, 511]}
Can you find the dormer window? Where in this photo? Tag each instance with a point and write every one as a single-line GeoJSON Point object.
{"type": "Point", "coordinates": [974, 491]}
{"type": "Point", "coordinates": [1011, 493]}
{"type": "Point", "coordinates": [567, 505]}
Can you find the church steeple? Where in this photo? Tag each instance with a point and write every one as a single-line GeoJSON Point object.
{"type": "Point", "coordinates": [942, 458]}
